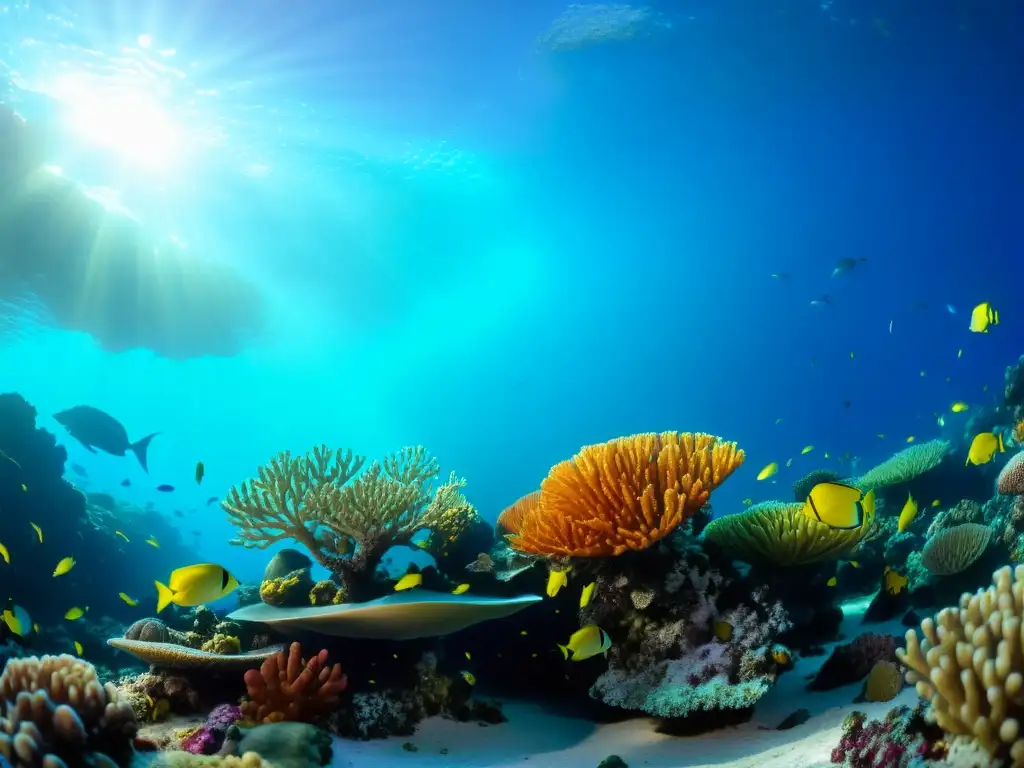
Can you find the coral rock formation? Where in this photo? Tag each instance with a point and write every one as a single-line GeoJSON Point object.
{"type": "Point", "coordinates": [292, 688]}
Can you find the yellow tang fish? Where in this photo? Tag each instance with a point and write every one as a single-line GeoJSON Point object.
{"type": "Point", "coordinates": [894, 581]}
{"type": "Point", "coordinates": [64, 566]}
{"type": "Point", "coordinates": [586, 642]}
{"type": "Point", "coordinates": [131, 601]}
{"type": "Point", "coordinates": [723, 630]}
{"type": "Point", "coordinates": [118, 533]}
{"type": "Point", "coordinates": [807, 449]}
{"type": "Point", "coordinates": [461, 589]}
{"type": "Point", "coordinates": [907, 515]}
{"type": "Point", "coordinates": [38, 530]}
{"type": "Point", "coordinates": [195, 585]}
{"type": "Point", "coordinates": [839, 506]}
{"type": "Point", "coordinates": [5, 554]}
{"type": "Point", "coordinates": [409, 581]}
{"type": "Point", "coordinates": [854, 563]}
{"type": "Point", "coordinates": [959, 406]}
{"type": "Point", "coordinates": [936, 503]}
{"type": "Point", "coordinates": [469, 677]}
{"type": "Point", "coordinates": [78, 648]}
{"type": "Point", "coordinates": [587, 594]}
{"type": "Point", "coordinates": [768, 471]}
{"type": "Point", "coordinates": [153, 542]}
{"type": "Point", "coordinates": [982, 316]}
{"type": "Point", "coordinates": [832, 582]}
{"type": "Point", "coordinates": [74, 614]}
{"type": "Point", "coordinates": [556, 580]}
{"type": "Point", "coordinates": [983, 447]}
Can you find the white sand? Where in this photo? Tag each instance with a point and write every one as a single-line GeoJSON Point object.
{"type": "Point", "coordinates": [534, 738]}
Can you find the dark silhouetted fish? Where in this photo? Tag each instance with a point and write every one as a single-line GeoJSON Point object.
{"type": "Point", "coordinates": [126, 483]}
{"type": "Point", "coordinates": [79, 470]}
{"type": "Point", "coordinates": [95, 429]}
{"type": "Point", "coordinates": [178, 513]}
{"type": "Point", "coordinates": [165, 488]}
{"type": "Point", "coordinates": [210, 500]}
{"type": "Point", "coordinates": [200, 471]}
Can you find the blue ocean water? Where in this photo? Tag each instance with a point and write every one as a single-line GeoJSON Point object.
{"type": "Point", "coordinates": [468, 237]}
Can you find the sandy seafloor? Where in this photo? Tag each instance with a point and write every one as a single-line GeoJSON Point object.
{"type": "Point", "coordinates": [535, 738]}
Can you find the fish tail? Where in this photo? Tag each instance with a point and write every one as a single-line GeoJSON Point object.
{"type": "Point", "coordinates": [140, 448]}
{"type": "Point", "coordinates": [565, 651]}
{"type": "Point", "coordinates": [164, 596]}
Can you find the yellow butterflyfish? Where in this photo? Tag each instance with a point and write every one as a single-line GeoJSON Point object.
{"type": "Point", "coordinates": [409, 581]}
{"type": "Point", "coordinates": [195, 585]}
{"type": "Point", "coordinates": [983, 448]}
{"type": "Point", "coordinates": [959, 406]}
{"type": "Point", "coordinates": [461, 589]}
{"type": "Point", "coordinates": [982, 316]}
{"type": "Point", "coordinates": [586, 642]}
{"type": "Point", "coordinates": [153, 542]}
{"type": "Point", "coordinates": [78, 648]}
{"type": "Point", "coordinates": [74, 614]}
{"type": "Point", "coordinates": [129, 600]}
{"type": "Point", "coordinates": [839, 506]}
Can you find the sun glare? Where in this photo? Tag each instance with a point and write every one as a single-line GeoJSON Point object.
{"type": "Point", "coordinates": [123, 119]}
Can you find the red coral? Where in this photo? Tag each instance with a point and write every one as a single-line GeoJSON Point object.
{"type": "Point", "coordinates": [291, 688]}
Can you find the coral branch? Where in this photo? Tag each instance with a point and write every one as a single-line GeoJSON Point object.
{"type": "Point", "coordinates": [291, 688]}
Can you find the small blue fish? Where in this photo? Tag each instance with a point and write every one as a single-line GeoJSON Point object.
{"type": "Point", "coordinates": [165, 488]}
{"type": "Point", "coordinates": [951, 309]}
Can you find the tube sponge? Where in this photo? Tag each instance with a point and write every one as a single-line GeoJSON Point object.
{"type": "Point", "coordinates": [970, 665]}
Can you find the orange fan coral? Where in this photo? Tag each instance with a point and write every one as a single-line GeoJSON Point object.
{"type": "Point", "coordinates": [511, 519]}
{"type": "Point", "coordinates": [624, 494]}
{"type": "Point", "coordinates": [291, 688]}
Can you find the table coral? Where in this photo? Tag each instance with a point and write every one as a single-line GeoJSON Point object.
{"type": "Point", "coordinates": [55, 712]}
{"type": "Point", "coordinates": [625, 494]}
{"type": "Point", "coordinates": [292, 688]}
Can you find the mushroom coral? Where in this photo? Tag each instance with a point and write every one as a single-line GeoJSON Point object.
{"type": "Point", "coordinates": [776, 533]}
{"type": "Point", "coordinates": [624, 494]}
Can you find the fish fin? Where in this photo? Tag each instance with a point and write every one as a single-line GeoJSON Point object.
{"type": "Point", "coordinates": [565, 651]}
{"type": "Point", "coordinates": [139, 449]}
{"type": "Point", "coordinates": [88, 447]}
{"type": "Point", "coordinates": [164, 596]}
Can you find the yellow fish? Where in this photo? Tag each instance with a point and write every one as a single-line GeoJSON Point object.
{"type": "Point", "coordinates": [935, 503]}
{"type": "Point", "coordinates": [195, 585]}
{"type": "Point", "coordinates": [768, 471]}
{"type": "Point", "coordinates": [38, 530]}
{"type": "Point", "coordinates": [907, 515]}
{"type": "Point", "coordinates": [158, 710]}
{"type": "Point", "coordinates": [78, 648]}
{"type": "Point", "coordinates": [461, 589]}
{"type": "Point", "coordinates": [74, 614]}
{"type": "Point", "coordinates": [723, 630]}
{"type": "Point", "coordinates": [807, 449]}
{"type": "Point", "coordinates": [35, 628]}
{"type": "Point", "coordinates": [781, 655]}
{"type": "Point", "coordinates": [118, 533]}
{"type": "Point", "coordinates": [64, 566]}
{"type": "Point", "coordinates": [556, 580]}
{"type": "Point", "coordinates": [469, 677]}
{"type": "Point", "coordinates": [153, 542]}
{"type": "Point", "coordinates": [18, 621]}
{"type": "Point", "coordinates": [855, 564]}
{"type": "Point", "coordinates": [587, 594]}
{"type": "Point", "coordinates": [832, 582]}
{"type": "Point", "coordinates": [409, 581]}
{"type": "Point", "coordinates": [24, 488]}
{"type": "Point", "coordinates": [959, 406]}
{"type": "Point", "coordinates": [894, 581]}
{"type": "Point", "coordinates": [5, 554]}
{"type": "Point", "coordinates": [132, 602]}
{"type": "Point", "coordinates": [586, 642]}
{"type": "Point", "coordinates": [983, 447]}
{"type": "Point", "coordinates": [910, 439]}
{"type": "Point", "coordinates": [982, 316]}
{"type": "Point", "coordinates": [839, 506]}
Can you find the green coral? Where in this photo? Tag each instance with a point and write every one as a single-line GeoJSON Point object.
{"type": "Point", "coordinates": [327, 502]}
{"type": "Point", "coordinates": [904, 466]}
{"type": "Point", "coordinates": [225, 645]}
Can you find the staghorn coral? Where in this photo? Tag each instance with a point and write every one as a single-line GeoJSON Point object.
{"type": "Point", "coordinates": [953, 550]}
{"type": "Point", "coordinates": [904, 466]}
{"type": "Point", "coordinates": [625, 494]}
{"type": "Point", "coordinates": [883, 682]}
{"type": "Point", "coordinates": [292, 688]}
{"type": "Point", "coordinates": [511, 518]}
{"type": "Point", "coordinates": [54, 712]}
{"type": "Point", "coordinates": [803, 486]}
{"type": "Point", "coordinates": [970, 666]}
{"type": "Point", "coordinates": [1011, 477]}
{"type": "Point", "coordinates": [326, 503]}
{"type": "Point", "coordinates": [780, 534]}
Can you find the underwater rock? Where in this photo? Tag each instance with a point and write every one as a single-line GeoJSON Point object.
{"type": "Point", "coordinates": [289, 591]}
{"type": "Point", "coordinates": [153, 631]}
{"type": "Point", "coordinates": [286, 562]}
{"type": "Point", "coordinates": [288, 745]}
{"type": "Point", "coordinates": [798, 717]}
{"type": "Point", "coordinates": [911, 619]}
{"type": "Point", "coordinates": [399, 616]}
{"type": "Point", "coordinates": [885, 605]}
{"type": "Point", "coordinates": [613, 761]}
{"type": "Point", "coordinates": [1013, 392]}
{"type": "Point", "coordinates": [899, 546]}
{"type": "Point", "coordinates": [851, 662]}
{"type": "Point", "coordinates": [171, 656]}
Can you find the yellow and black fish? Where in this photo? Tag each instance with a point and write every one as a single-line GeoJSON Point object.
{"type": "Point", "coordinates": [839, 506]}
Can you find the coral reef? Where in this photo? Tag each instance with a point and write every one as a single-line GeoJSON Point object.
{"type": "Point", "coordinates": [208, 738]}
{"type": "Point", "coordinates": [968, 665]}
{"type": "Point", "coordinates": [964, 511]}
{"type": "Point", "coordinates": [953, 550]}
{"type": "Point", "coordinates": [1011, 478]}
{"type": "Point", "coordinates": [146, 692]}
{"type": "Point", "coordinates": [624, 494]}
{"type": "Point", "coordinates": [55, 712]}
{"type": "Point", "coordinates": [894, 742]}
{"type": "Point", "coordinates": [913, 461]}
{"type": "Point", "coordinates": [292, 688]}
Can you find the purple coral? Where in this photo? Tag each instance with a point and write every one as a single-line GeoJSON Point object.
{"type": "Point", "coordinates": [208, 738]}
{"type": "Point", "coordinates": [889, 743]}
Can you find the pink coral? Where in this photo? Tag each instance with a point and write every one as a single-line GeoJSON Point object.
{"type": "Point", "coordinates": [292, 688]}
{"type": "Point", "coordinates": [890, 743]}
{"type": "Point", "coordinates": [208, 738]}
{"type": "Point", "coordinates": [1011, 478]}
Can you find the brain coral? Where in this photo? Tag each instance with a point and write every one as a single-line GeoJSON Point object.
{"type": "Point", "coordinates": [970, 665]}
{"type": "Point", "coordinates": [1011, 478]}
{"type": "Point", "coordinates": [955, 549]}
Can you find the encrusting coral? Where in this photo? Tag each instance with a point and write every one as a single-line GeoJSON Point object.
{"type": "Point", "coordinates": [970, 666]}
{"type": "Point", "coordinates": [292, 688]}
{"type": "Point", "coordinates": [776, 533]}
{"type": "Point", "coordinates": [624, 494]}
{"type": "Point", "coordinates": [345, 517]}
{"type": "Point", "coordinates": [54, 712]}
